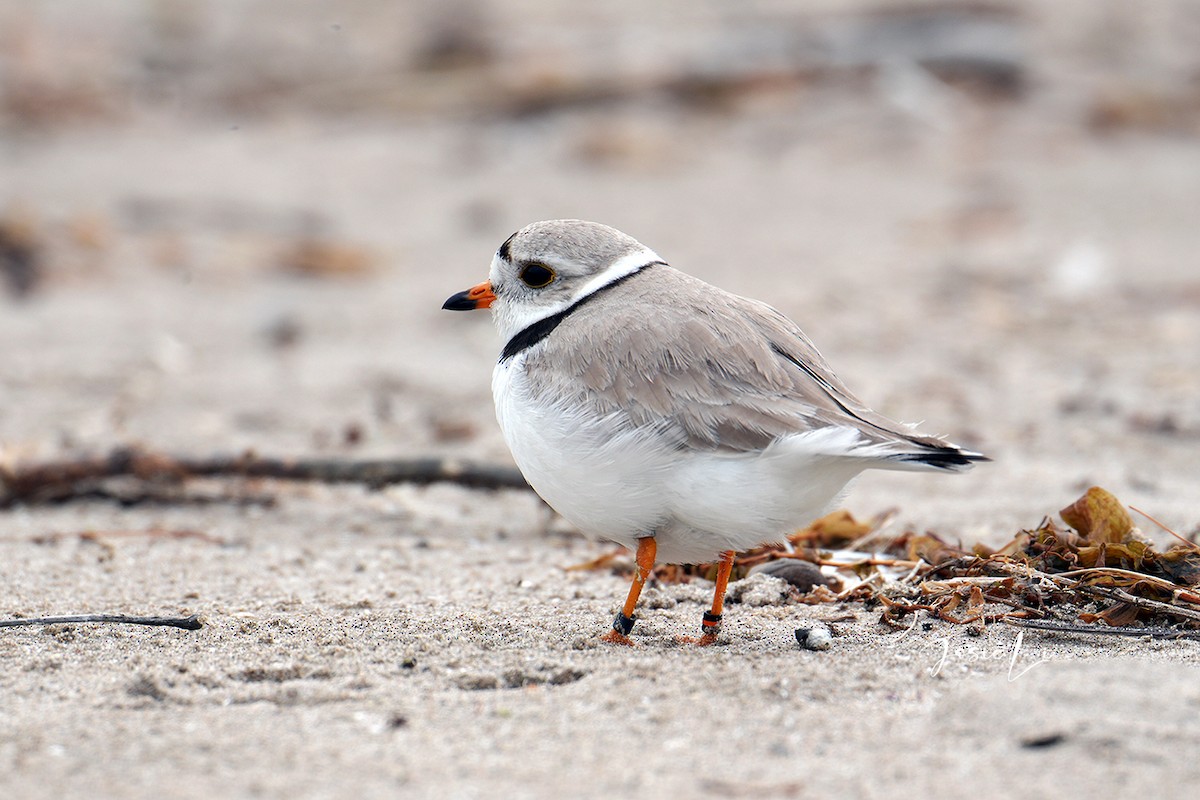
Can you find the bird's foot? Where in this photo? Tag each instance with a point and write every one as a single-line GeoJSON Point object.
{"type": "Point", "coordinates": [616, 637]}
{"type": "Point", "coordinates": [709, 629]}
{"type": "Point", "coordinates": [704, 640]}
{"type": "Point", "coordinates": [619, 634]}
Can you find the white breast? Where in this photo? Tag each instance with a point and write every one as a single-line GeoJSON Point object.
{"type": "Point", "coordinates": [602, 477]}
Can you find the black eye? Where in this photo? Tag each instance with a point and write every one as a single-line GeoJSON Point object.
{"type": "Point", "coordinates": [535, 275]}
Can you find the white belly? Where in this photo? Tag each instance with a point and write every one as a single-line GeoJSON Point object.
{"type": "Point", "coordinates": [617, 484]}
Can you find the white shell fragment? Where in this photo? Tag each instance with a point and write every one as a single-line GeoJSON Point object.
{"type": "Point", "coordinates": [815, 636]}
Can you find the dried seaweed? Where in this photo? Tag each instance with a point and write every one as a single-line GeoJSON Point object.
{"type": "Point", "coordinates": [1097, 573]}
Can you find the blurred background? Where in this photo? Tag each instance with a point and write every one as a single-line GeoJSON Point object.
{"type": "Point", "coordinates": [231, 225]}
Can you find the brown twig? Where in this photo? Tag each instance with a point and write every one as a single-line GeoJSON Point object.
{"type": "Point", "coordinates": [63, 481]}
{"type": "Point", "coordinates": [1071, 627]}
{"type": "Point", "coordinates": [1128, 575]}
{"type": "Point", "coordinates": [1187, 542]}
{"type": "Point", "coordinates": [99, 535]}
{"type": "Point", "coordinates": [1113, 593]}
{"type": "Point", "coordinates": [1075, 581]}
{"type": "Point", "coordinates": [191, 623]}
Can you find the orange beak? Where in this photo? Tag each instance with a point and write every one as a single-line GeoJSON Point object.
{"type": "Point", "coordinates": [480, 296]}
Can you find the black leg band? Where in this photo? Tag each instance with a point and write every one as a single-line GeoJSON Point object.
{"type": "Point", "coordinates": [712, 622]}
{"type": "Point", "coordinates": [623, 624]}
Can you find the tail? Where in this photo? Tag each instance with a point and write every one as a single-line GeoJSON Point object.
{"type": "Point", "coordinates": [948, 458]}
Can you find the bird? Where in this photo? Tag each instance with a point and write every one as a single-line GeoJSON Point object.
{"type": "Point", "coordinates": [652, 409]}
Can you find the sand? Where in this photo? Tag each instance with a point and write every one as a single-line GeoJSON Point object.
{"type": "Point", "coordinates": [1018, 272]}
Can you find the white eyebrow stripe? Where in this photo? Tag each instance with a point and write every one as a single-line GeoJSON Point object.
{"type": "Point", "coordinates": [625, 265]}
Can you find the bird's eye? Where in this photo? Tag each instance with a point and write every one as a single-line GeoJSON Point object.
{"type": "Point", "coordinates": [535, 275]}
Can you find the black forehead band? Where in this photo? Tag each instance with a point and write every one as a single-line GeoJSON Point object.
{"type": "Point", "coordinates": [505, 249]}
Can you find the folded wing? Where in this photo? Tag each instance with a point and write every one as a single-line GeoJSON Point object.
{"type": "Point", "coordinates": [712, 371]}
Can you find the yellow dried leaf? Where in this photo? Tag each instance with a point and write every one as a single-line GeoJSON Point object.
{"type": "Point", "coordinates": [1098, 517]}
{"type": "Point", "coordinates": [597, 563]}
{"type": "Point", "coordinates": [932, 549]}
{"type": "Point", "coordinates": [975, 603]}
{"type": "Point", "coordinates": [1118, 616]}
{"type": "Point", "coordinates": [832, 530]}
{"type": "Point", "coordinates": [1182, 565]}
{"type": "Point", "coordinates": [1017, 546]}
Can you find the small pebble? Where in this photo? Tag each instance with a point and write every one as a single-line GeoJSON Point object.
{"type": "Point", "coordinates": [1040, 741]}
{"type": "Point", "coordinates": [814, 637]}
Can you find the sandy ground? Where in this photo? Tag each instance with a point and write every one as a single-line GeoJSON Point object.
{"type": "Point", "coordinates": [1018, 271]}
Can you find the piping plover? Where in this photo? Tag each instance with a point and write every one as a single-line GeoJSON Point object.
{"type": "Point", "coordinates": [654, 410]}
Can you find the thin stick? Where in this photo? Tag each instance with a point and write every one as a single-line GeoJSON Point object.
{"type": "Point", "coordinates": [1188, 542]}
{"type": "Point", "coordinates": [867, 562]}
{"type": "Point", "coordinates": [1070, 627]}
{"type": "Point", "coordinates": [1080, 574]}
{"type": "Point", "coordinates": [1108, 593]}
{"type": "Point", "coordinates": [61, 481]}
{"type": "Point", "coordinates": [879, 523]}
{"type": "Point", "coordinates": [950, 584]}
{"type": "Point", "coordinates": [1112, 593]}
{"type": "Point", "coordinates": [191, 623]}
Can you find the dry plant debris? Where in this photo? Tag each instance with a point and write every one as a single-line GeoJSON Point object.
{"type": "Point", "coordinates": [1098, 574]}
{"type": "Point", "coordinates": [315, 258]}
{"type": "Point", "coordinates": [131, 476]}
{"type": "Point", "coordinates": [189, 623]}
{"type": "Point", "coordinates": [21, 246]}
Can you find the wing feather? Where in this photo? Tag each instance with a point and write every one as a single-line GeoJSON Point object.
{"type": "Point", "coordinates": [707, 369]}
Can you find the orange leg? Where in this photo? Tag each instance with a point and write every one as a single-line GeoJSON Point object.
{"type": "Point", "coordinates": [623, 624]}
{"type": "Point", "coordinates": [711, 625]}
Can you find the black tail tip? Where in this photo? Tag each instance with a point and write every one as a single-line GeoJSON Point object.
{"type": "Point", "coordinates": [948, 458]}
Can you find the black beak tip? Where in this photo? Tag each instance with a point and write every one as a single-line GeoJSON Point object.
{"type": "Point", "coordinates": [459, 302]}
